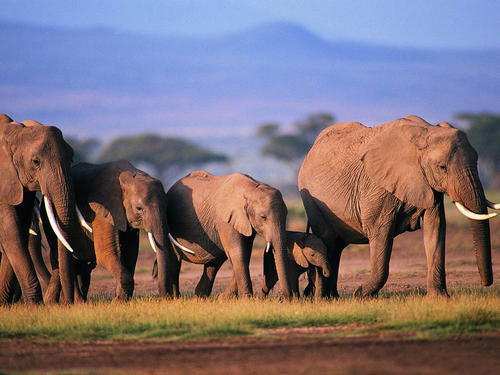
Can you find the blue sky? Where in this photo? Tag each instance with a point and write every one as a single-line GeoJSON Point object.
{"type": "Point", "coordinates": [417, 23]}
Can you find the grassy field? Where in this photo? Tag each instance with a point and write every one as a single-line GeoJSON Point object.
{"type": "Point", "coordinates": [469, 311]}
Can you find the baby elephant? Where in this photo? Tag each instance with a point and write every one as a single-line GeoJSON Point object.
{"type": "Point", "coordinates": [306, 253]}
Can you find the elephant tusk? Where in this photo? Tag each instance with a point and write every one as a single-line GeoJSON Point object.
{"type": "Point", "coordinates": [82, 221]}
{"type": "Point", "coordinates": [152, 242]}
{"type": "Point", "coordinates": [492, 205]}
{"type": "Point", "coordinates": [32, 232]}
{"type": "Point", "coordinates": [177, 244]}
{"type": "Point", "coordinates": [268, 247]}
{"type": "Point", "coordinates": [472, 215]}
{"type": "Point", "coordinates": [53, 223]}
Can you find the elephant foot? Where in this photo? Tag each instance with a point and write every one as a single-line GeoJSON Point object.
{"type": "Point", "coordinates": [438, 293]}
{"type": "Point", "coordinates": [364, 293]}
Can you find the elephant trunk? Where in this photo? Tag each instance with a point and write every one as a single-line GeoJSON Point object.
{"type": "Point", "coordinates": [60, 197]}
{"type": "Point", "coordinates": [157, 229]}
{"type": "Point", "coordinates": [470, 193]}
{"type": "Point", "coordinates": [321, 261]}
{"type": "Point", "coordinates": [281, 259]}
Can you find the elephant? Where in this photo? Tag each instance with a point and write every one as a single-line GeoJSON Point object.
{"type": "Point", "coordinates": [117, 200]}
{"type": "Point", "coordinates": [306, 252]}
{"type": "Point", "coordinates": [368, 185]}
{"type": "Point", "coordinates": [213, 218]}
{"type": "Point", "coordinates": [34, 158]}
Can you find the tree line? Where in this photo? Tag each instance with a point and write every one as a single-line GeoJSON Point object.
{"type": "Point", "coordinates": [165, 155]}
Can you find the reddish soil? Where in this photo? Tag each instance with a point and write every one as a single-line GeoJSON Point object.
{"type": "Point", "coordinates": [293, 354]}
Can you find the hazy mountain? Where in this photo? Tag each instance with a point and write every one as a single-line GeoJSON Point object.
{"type": "Point", "coordinates": [101, 82]}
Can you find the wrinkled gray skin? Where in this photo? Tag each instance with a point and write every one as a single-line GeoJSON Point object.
{"type": "Point", "coordinates": [306, 252]}
{"type": "Point", "coordinates": [33, 157]}
{"type": "Point", "coordinates": [367, 185]}
{"type": "Point", "coordinates": [117, 200]}
{"type": "Point", "coordinates": [218, 218]}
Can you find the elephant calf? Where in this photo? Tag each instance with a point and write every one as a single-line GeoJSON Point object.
{"type": "Point", "coordinates": [306, 252]}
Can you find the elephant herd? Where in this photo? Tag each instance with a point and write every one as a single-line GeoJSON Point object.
{"type": "Point", "coordinates": [358, 185]}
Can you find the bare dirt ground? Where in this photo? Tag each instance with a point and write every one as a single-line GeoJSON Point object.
{"type": "Point", "coordinates": [294, 354]}
{"type": "Point", "coordinates": [311, 350]}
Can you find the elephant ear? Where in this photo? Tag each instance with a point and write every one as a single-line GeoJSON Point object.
{"type": "Point", "coordinates": [391, 158]}
{"type": "Point", "coordinates": [102, 190]}
{"type": "Point", "coordinates": [11, 189]}
{"type": "Point", "coordinates": [299, 257]}
{"type": "Point", "coordinates": [232, 208]}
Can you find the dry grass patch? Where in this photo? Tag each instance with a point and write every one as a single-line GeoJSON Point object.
{"type": "Point", "coordinates": [467, 312]}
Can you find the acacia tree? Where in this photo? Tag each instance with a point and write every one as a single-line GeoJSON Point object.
{"type": "Point", "coordinates": [166, 155]}
{"type": "Point", "coordinates": [291, 147]}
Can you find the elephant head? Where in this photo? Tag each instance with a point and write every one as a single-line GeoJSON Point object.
{"type": "Point", "coordinates": [310, 250]}
{"type": "Point", "coordinates": [35, 157]}
{"type": "Point", "coordinates": [124, 195]}
{"type": "Point", "coordinates": [416, 162]}
{"type": "Point", "coordinates": [250, 206]}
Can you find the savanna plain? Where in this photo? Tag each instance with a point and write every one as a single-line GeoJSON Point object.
{"type": "Point", "coordinates": [402, 330]}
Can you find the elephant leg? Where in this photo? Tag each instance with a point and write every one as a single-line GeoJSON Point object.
{"type": "Point", "coordinates": [312, 284]}
{"type": "Point", "coordinates": [14, 228]}
{"type": "Point", "coordinates": [129, 250]}
{"type": "Point", "coordinates": [328, 286]}
{"type": "Point", "coordinates": [239, 250]}
{"type": "Point", "coordinates": [242, 274]}
{"type": "Point", "coordinates": [107, 249]}
{"type": "Point", "coordinates": [380, 255]}
{"type": "Point", "coordinates": [52, 293]}
{"type": "Point", "coordinates": [206, 283]}
{"type": "Point", "coordinates": [8, 282]}
{"type": "Point", "coordinates": [84, 273]}
{"type": "Point", "coordinates": [434, 226]}
{"type": "Point", "coordinates": [231, 290]}
{"type": "Point", "coordinates": [270, 273]}
{"type": "Point", "coordinates": [169, 268]}
{"type": "Point", "coordinates": [35, 249]}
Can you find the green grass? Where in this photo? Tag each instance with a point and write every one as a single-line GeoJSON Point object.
{"type": "Point", "coordinates": [467, 312]}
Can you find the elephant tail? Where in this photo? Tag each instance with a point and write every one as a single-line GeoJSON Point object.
{"type": "Point", "coordinates": [154, 271]}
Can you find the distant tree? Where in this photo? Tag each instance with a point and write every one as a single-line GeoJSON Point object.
{"type": "Point", "coordinates": [313, 125]}
{"type": "Point", "coordinates": [286, 147]}
{"type": "Point", "coordinates": [483, 131]}
{"type": "Point", "coordinates": [161, 153]}
{"type": "Point", "coordinates": [291, 147]}
{"type": "Point", "coordinates": [267, 130]}
{"type": "Point", "coordinates": [83, 149]}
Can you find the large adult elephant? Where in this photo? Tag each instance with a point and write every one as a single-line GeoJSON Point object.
{"type": "Point", "coordinates": [34, 157]}
{"type": "Point", "coordinates": [117, 200]}
{"type": "Point", "coordinates": [213, 218]}
{"type": "Point", "coordinates": [367, 185]}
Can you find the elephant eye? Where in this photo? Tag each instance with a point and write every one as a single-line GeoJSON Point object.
{"type": "Point", "coordinates": [263, 217]}
{"type": "Point", "coordinates": [36, 162]}
{"type": "Point", "coordinates": [443, 168]}
{"type": "Point", "coordinates": [138, 208]}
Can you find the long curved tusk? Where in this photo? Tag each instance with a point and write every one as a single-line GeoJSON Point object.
{"type": "Point", "coordinates": [82, 221]}
{"type": "Point", "coordinates": [152, 242]}
{"type": "Point", "coordinates": [495, 206]}
{"type": "Point", "coordinates": [268, 247]}
{"type": "Point", "coordinates": [472, 215]}
{"type": "Point", "coordinates": [32, 232]}
{"type": "Point", "coordinates": [53, 223]}
{"type": "Point", "coordinates": [183, 248]}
